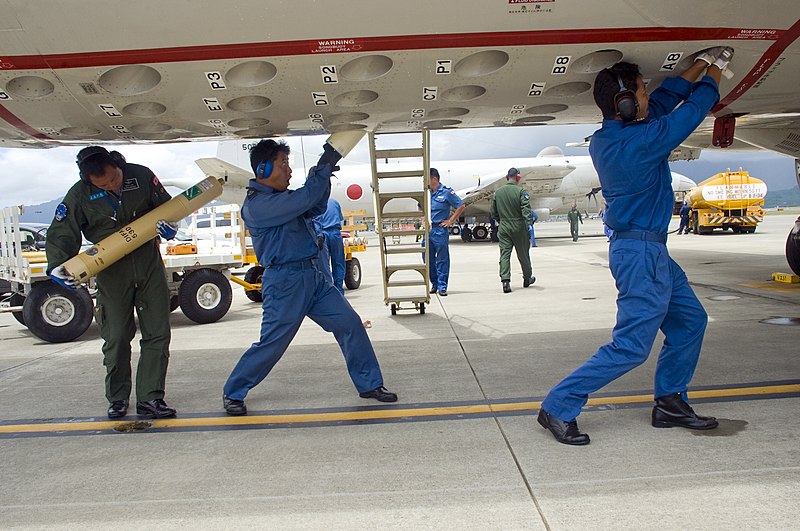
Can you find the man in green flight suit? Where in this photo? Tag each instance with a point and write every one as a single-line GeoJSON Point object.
{"type": "Point", "coordinates": [574, 217]}
{"type": "Point", "coordinates": [110, 194]}
{"type": "Point", "coordinates": [511, 209]}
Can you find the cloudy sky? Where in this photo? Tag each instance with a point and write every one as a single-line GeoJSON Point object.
{"type": "Point", "coordinates": [32, 176]}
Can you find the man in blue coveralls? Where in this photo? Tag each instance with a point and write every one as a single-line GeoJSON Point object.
{"type": "Point", "coordinates": [443, 199]}
{"type": "Point", "coordinates": [294, 285]}
{"type": "Point", "coordinates": [329, 225]}
{"type": "Point", "coordinates": [630, 154]}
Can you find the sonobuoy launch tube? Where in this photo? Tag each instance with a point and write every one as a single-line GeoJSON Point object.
{"type": "Point", "coordinates": [140, 231]}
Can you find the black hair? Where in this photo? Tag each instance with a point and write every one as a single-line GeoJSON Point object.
{"type": "Point", "coordinates": [92, 162]}
{"type": "Point", "coordinates": [266, 151]}
{"type": "Point", "coordinates": [606, 86]}
{"type": "Point", "coordinates": [435, 173]}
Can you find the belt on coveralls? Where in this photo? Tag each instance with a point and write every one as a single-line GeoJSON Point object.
{"type": "Point", "coordinates": [299, 264]}
{"type": "Point", "coordinates": [639, 235]}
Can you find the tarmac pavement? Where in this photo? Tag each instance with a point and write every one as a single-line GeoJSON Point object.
{"type": "Point", "coordinates": [461, 448]}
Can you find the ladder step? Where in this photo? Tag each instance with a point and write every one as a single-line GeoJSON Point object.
{"type": "Point", "coordinates": [417, 249]}
{"type": "Point", "coordinates": [388, 300]}
{"type": "Point", "coordinates": [405, 283]}
{"type": "Point", "coordinates": [414, 214]}
{"type": "Point", "coordinates": [419, 195]}
{"type": "Point", "coordinates": [398, 153]}
{"type": "Point", "coordinates": [405, 232]}
{"type": "Point", "coordinates": [422, 268]}
{"type": "Point", "coordinates": [398, 174]}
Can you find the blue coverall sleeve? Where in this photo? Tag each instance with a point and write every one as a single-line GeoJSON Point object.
{"type": "Point", "coordinates": [279, 208]}
{"type": "Point", "coordinates": [667, 132]}
{"type": "Point", "coordinates": [454, 200]}
{"type": "Point", "coordinates": [666, 97]}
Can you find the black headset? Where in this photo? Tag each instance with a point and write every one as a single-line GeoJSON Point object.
{"type": "Point", "coordinates": [86, 153]}
{"type": "Point", "coordinates": [625, 103]}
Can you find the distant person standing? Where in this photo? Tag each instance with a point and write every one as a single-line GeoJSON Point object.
{"type": "Point", "coordinates": [443, 200]}
{"type": "Point", "coordinates": [608, 231]}
{"type": "Point", "coordinates": [574, 218]}
{"type": "Point", "coordinates": [511, 208]}
{"type": "Point", "coordinates": [534, 219]}
{"type": "Point", "coordinates": [684, 213]}
{"type": "Point", "coordinates": [329, 225]}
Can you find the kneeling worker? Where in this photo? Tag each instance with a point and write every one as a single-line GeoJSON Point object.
{"type": "Point", "coordinates": [294, 284]}
{"type": "Point", "coordinates": [110, 195]}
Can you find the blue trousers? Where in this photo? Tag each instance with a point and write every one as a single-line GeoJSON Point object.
{"type": "Point", "coordinates": [439, 251]}
{"type": "Point", "coordinates": [653, 294]}
{"type": "Point", "coordinates": [290, 293]}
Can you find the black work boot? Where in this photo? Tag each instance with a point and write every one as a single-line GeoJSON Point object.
{"type": "Point", "coordinates": [506, 286]}
{"type": "Point", "coordinates": [234, 407]}
{"type": "Point", "coordinates": [154, 409]}
{"type": "Point", "coordinates": [117, 409]}
{"type": "Point", "coordinates": [564, 432]}
{"type": "Point", "coordinates": [528, 281]}
{"type": "Point", "coordinates": [672, 410]}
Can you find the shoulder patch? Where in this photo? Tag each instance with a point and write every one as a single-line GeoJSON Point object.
{"type": "Point", "coordinates": [156, 182]}
{"type": "Point", "coordinates": [131, 183]}
{"type": "Point", "coordinates": [61, 212]}
{"type": "Point", "coordinates": [525, 195]}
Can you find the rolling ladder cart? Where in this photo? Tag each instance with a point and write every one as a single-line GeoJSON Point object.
{"type": "Point", "coordinates": [397, 194]}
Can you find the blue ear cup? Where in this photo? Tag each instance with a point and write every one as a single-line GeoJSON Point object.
{"type": "Point", "coordinates": [264, 169]}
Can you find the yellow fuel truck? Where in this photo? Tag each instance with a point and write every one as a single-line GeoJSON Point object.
{"type": "Point", "coordinates": [730, 200]}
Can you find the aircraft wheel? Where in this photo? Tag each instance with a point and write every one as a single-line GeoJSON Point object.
{"type": "Point", "coordinates": [480, 233]}
{"type": "Point", "coordinates": [17, 300]}
{"type": "Point", "coordinates": [57, 314]}
{"type": "Point", "coordinates": [253, 276]}
{"type": "Point", "coordinates": [393, 308]}
{"type": "Point", "coordinates": [793, 248]}
{"type": "Point", "coordinates": [455, 230]}
{"type": "Point", "coordinates": [466, 234]}
{"type": "Point", "coordinates": [352, 273]}
{"type": "Point", "coordinates": [205, 296]}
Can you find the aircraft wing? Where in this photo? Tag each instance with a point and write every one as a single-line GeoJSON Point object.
{"type": "Point", "coordinates": [214, 73]}
{"type": "Point", "coordinates": [538, 180]}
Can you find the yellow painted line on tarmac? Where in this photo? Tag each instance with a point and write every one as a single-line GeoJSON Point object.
{"type": "Point", "coordinates": [372, 414]}
{"type": "Point", "coordinates": [771, 285]}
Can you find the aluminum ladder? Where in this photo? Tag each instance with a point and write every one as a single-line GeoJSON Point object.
{"type": "Point", "coordinates": [400, 178]}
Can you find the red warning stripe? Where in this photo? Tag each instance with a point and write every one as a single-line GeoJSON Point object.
{"type": "Point", "coordinates": [383, 43]}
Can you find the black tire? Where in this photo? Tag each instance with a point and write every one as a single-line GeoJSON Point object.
{"type": "Point", "coordinates": [253, 276]}
{"type": "Point", "coordinates": [455, 230]}
{"type": "Point", "coordinates": [352, 273]}
{"type": "Point", "coordinates": [205, 296]}
{"type": "Point", "coordinates": [466, 234]}
{"type": "Point", "coordinates": [174, 302]}
{"type": "Point", "coordinates": [736, 229]}
{"type": "Point", "coordinates": [751, 230]}
{"type": "Point", "coordinates": [793, 248]}
{"type": "Point", "coordinates": [393, 309]}
{"type": "Point", "coordinates": [480, 233]}
{"type": "Point", "coordinates": [57, 314]}
{"type": "Point", "coordinates": [17, 300]}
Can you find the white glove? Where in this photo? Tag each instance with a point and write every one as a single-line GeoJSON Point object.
{"type": "Point", "coordinates": [166, 229]}
{"type": "Point", "coordinates": [724, 58]}
{"type": "Point", "coordinates": [710, 55]}
{"type": "Point", "coordinates": [60, 276]}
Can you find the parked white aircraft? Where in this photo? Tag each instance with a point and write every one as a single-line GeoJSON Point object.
{"type": "Point", "coordinates": [554, 182]}
{"type": "Point", "coordinates": [154, 71]}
